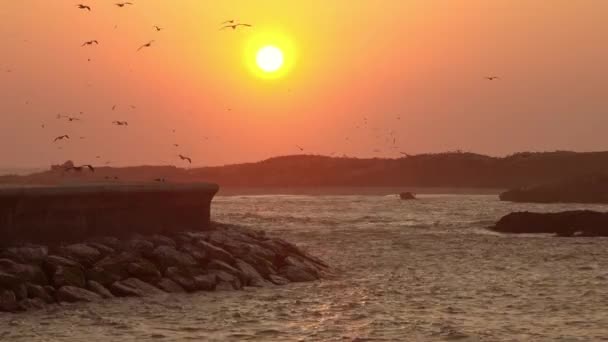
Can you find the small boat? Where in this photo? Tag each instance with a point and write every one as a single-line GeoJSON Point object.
{"type": "Point", "coordinates": [407, 196]}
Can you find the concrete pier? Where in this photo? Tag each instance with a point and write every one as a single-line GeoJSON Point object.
{"type": "Point", "coordinates": [51, 215]}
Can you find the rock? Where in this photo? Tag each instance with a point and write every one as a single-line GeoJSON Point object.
{"type": "Point", "coordinates": [140, 245]}
{"type": "Point", "coordinates": [264, 267]}
{"type": "Point", "coordinates": [25, 272]}
{"type": "Point", "coordinates": [20, 291]}
{"type": "Point", "coordinates": [226, 281]}
{"type": "Point", "coordinates": [71, 294]}
{"type": "Point", "coordinates": [406, 196]}
{"type": "Point", "coordinates": [68, 276]}
{"type": "Point", "coordinates": [214, 252]}
{"type": "Point", "coordinates": [8, 301]}
{"type": "Point", "coordinates": [108, 241]}
{"type": "Point", "coordinates": [144, 270]}
{"type": "Point", "coordinates": [39, 292]}
{"type": "Point", "coordinates": [278, 280]}
{"type": "Point", "coordinates": [251, 275]}
{"type": "Point", "coordinates": [567, 223]}
{"type": "Point", "coordinates": [99, 289]}
{"type": "Point", "coordinates": [197, 253]}
{"type": "Point", "coordinates": [82, 253]}
{"type": "Point", "coordinates": [161, 240]}
{"type": "Point", "coordinates": [296, 274]}
{"type": "Point", "coordinates": [133, 287]}
{"type": "Point", "coordinates": [8, 280]}
{"type": "Point", "coordinates": [184, 279]}
{"type": "Point", "coordinates": [222, 266]}
{"type": "Point", "coordinates": [52, 261]}
{"type": "Point", "coordinates": [166, 256]}
{"type": "Point", "coordinates": [27, 254]}
{"type": "Point", "coordinates": [112, 268]}
{"type": "Point", "coordinates": [31, 304]}
{"type": "Point", "coordinates": [205, 282]}
{"type": "Point", "coordinates": [103, 249]}
{"type": "Point", "coordinates": [170, 286]}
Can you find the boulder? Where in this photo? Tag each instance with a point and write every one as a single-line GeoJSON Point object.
{"type": "Point", "coordinates": [251, 276]}
{"type": "Point", "coordinates": [25, 272]}
{"type": "Point", "coordinates": [144, 270]}
{"type": "Point", "coordinates": [278, 280]}
{"type": "Point", "coordinates": [31, 304]}
{"type": "Point", "coordinates": [181, 277]}
{"type": "Point", "coordinates": [161, 240]}
{"type": "Point", "coordinates": [566, 223]}
{"type": "Point", "coordinates": [68, 276]}
{"type": "Point", "coordinates": [26, 254]}
{"type": "Point", "coordinates": [52, 261]}
{"type": "Point", "coordinates": [71, 294]}
{"type": "Point", "coordinates": [166, 256]}
{"type": "Point", "coordinates": [103, 277]}
{"type": "Point", "coordinates": [226, 281]}
{"type": "Point", "coordinates": [20, 291]}
{"type": "Point", "coordinates": [170, 286]}
{"type": "Point", "coordinates": [8, 280]}
{"type": "Point", "coordinates": [205, 282]}
{"type": "Point", "coordinates": [407, 196]}
{"type": "Point", "coordinates": [103, 249]}
{"type": "Point", "coordinates": [108, 241]}
{"type": "Point", "coordinates": [39, 292]}
{"type": "Point", "coordinates": [214, 252]}
{"type": "Point", "coordinates": [263, 266]}
{"type": "Point", "coordinates": [296, 274]}
{"type": "Point", "coordinates": [140, 245]}
{"type": "Point", "coordinates": [8, 301]}
{"type": "Point", "coordinates": [197, 253]}
{"type": "Point", "coordinates": [99, 289]}
{"type": "Point", "coordinates": [133, 287]}
{"type": "Point", "coordinates": [82, 253]}
{"type": "Point", "coordinates": [112, 268]}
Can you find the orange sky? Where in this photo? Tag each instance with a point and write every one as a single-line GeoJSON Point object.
{"type": "Point", "coordinates": [415, 68]}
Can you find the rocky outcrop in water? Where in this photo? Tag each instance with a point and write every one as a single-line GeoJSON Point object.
{"type": "Point", "coordinates": [590, 189]}
{"type": "Point", "coordinates": [225, 258]}
{"type": "Point", "coordinates": [567, 223]}
{"type": "Point", "coordinates": [406, 196]}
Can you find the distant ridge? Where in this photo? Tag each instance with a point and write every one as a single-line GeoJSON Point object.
{"type": "Point", "coordinates": [450, 169]}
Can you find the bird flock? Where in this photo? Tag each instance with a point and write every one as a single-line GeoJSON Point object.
{"type": "Point", "coordinates": [389, 136]}
{"type": "Point", "coordinates": [228, 24]}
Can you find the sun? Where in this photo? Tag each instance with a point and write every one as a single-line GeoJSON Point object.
{"type": "Point", "coordinates": [270, 54]}
{"type": "Point", "coordinates": [269, 58]}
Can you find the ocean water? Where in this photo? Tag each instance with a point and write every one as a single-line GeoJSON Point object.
{"type": "Point", "coordinates": [424, 270]}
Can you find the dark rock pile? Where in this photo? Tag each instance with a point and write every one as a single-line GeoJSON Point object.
{"type": "Point", "coordinates": [225, 258]}
{"type": "Point", "coordinates": [566, 223]}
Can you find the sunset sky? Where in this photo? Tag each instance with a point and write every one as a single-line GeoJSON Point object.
{"type": "Point", "coordinates": [357, 73]}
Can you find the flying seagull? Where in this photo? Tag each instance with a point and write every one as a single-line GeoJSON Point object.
{"type": "Point", "coordinates": [65, 136]}
{"type": "Point", "coordinates": [405, 154]}
{"type": "Point", "coordinates": [300, 148]}
{"type": "Point", "coordinates": [148, 44]}
{"type": "Point", "coordinates": [234, 26]}
{"type": "Point", "coordinates": [492, 78]}
{"type": "Point", "coordinates": [158, 28]}
{"type": "Point", "coordinates": [120, 123]}
{"type": "Point", "coordinates": [185, 158]}
{"type": "Point", "coordinates": [73, 119]}
{"type": "Point", "coordinates": [122, 4]}
{"type": "Point", "coordinates": [90, 42]}
{"type": "Point", "coordinates": [113, 107]}
{"type": "Point", "coordinates": [228, 22]}
{"type": "Point", "coordinates": [80, 168]}
{"type": "Point", "coordinates": [81, 6]}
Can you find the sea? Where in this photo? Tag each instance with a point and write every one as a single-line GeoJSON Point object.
{"type": "Point", "coordinates": [422, 270]}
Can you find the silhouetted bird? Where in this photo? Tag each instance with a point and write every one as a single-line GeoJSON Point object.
{"type": "Point", "coordinates": [185, 158]}
{"type": "Point", "coordinates": [70, 119]}
{"type": "Point", "coordinates": [120, 123]}
{"type": "Point", "coordinates": [122, 4]}
{"type": "Point", "coordinates": [158, 28]}
{"type": "Point", "coordinates": [80, 168]}
{"type": "Point", "coordinates": [300, 148]}
{"type": "Point", "coordinates": [90, 42]}
{"type": "Point", "coordinates": [228, 22]}
{"type": "Point", "coordinates": [234, 26]}
{"type": "Point", "coordinates": [492, 78]}
{"type": "Point", "coordinates": [405, 154]}
{"type": "Point", "coordinates": [148, 44]}
{"type": "Point", "coordinates": [81, 6]}
{"type": "Point", "coordinates": [176, 145]}
{"type": "Point", "coordinates": [113, 107]}
{"type": "Point", "coordinates": [61, 137]}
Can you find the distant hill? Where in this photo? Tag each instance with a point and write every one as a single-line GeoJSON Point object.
{"type": "Point", "coordinates": [453, 169]}
{"type": "Point", "coordinates": [584, 189]}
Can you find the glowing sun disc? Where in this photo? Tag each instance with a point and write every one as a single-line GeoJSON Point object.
{"type": "Point", "coordinates": [269, 58]}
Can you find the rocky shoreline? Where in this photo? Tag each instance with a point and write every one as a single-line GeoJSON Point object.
{"type": "Point", "coordinates": [223, 258]}
{"type": "Point", "coordinates": [565, 223]}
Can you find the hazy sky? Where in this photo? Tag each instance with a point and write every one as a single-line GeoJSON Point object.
{"type": "Point", "coordinates": [413, 69]}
